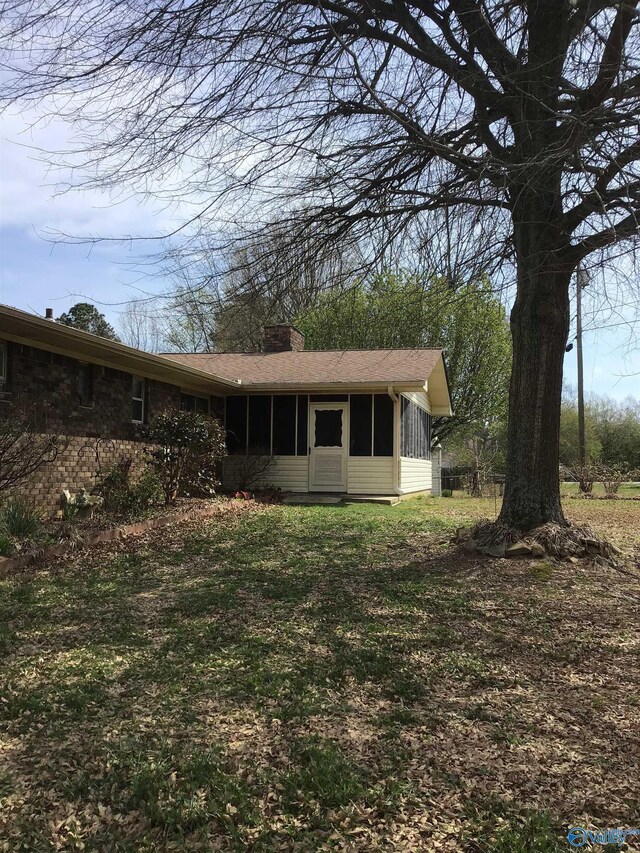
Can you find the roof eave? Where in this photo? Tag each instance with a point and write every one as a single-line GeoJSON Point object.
{"type": "Point", "coordinates": [369, 385]}
{"type": "Point", "coordinates": [21, 327]}
{"type": "Point", "coordinates": [438, 389]}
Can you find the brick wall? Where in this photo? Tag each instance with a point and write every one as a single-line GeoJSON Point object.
{"type": "Point", "coordinates": [282, 338]}
{"type": "Point", "coordinates": [76, 466]}
{"type": "Point", "coordinates": [44, 386]}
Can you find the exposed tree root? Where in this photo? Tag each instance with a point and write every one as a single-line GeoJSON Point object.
{"type": "Point", "coordinates": [554, 540]}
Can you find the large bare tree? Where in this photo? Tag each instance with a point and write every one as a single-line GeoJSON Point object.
{"type": "Point", "coordinates": [524, 113]}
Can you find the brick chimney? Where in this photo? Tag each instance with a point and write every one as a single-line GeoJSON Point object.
{"type": "Point", "coordinates": [282, 338]}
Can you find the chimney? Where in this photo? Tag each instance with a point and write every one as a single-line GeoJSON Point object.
{"type": "Point", "coordinates": [48, 313]}
{"type": "Point", "coordinates": [282, 338]}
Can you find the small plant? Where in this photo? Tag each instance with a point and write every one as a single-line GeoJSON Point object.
{"type": "Point", "coordinates": [20, 519]}
{"type": "Point", "coordinates": [7, 546]}
{"type": "Point", "coordinates": [124, 497]}
{"type": "Point", "coordinates": [189, 447]}
{"type": "Point", "coordinates": [447, 493]}
{"type": "Point", "coordinates": [248, 472]}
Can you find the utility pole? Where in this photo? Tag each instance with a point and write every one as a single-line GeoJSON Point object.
{"type": "Point", "coordinates": [581, 282]}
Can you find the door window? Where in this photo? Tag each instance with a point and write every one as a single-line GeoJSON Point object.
{"type": "Point", "coordinates": [328, 428]}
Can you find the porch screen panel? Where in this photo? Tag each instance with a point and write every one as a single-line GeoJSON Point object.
{"type": "Point", "coordinates": [260, 424]}
{"type": "Point", "coordinates": [284, 425]}
{"type": "Point", "coordinates": [360, 433]}
{"type": "Point", "coordinates": [415, 431]}
{"type": "Point", "coordinates": [382, 425]}
{"type": "Point", "coordinates": [236, 424]}
{"type": "Point", "coordinates": [303, 418]}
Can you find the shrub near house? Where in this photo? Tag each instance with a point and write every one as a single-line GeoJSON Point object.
{"type": "Point", "coordinates": [188, 449]}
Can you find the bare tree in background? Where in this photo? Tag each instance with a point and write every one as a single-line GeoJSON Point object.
{"type": "Point", "coordinates": [223, 299]}
{"type": "Point", "coordinates": [142, 325]}
{"type": "Point", "coordinates": [522, 112]}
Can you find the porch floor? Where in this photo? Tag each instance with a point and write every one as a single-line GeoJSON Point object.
{"type": "Point", "coordinates": [312, 498]}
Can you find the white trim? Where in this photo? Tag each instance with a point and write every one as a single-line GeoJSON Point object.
{"type": "Point", "coordinates": [420, 398]}
{"type": "Point", "coordinates": [396, 439]}
{"type": "Point", "coordinates": [142, 382]}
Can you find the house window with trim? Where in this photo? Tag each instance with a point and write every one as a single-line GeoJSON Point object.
{"type": "Point", "coordinates": [137, 400]}
{"type": "Point", "coordinates": [85, 385]}
{"type": "Point", "coordinates": [193, 403]}
{"type": "Point", "coordinates": [415, 431]}
{"type": "Point", "coordinates": [3, 363]}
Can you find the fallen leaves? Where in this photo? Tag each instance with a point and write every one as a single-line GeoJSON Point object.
{"type": "Point", "coordinates": [306, 679]}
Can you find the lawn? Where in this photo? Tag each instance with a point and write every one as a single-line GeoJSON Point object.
{"type": "Point", "coordinates": [320, 678]}
{"type": "Point", "coordinates": [626, 490]}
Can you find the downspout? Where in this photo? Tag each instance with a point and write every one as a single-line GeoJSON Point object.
{"type": "Point", "coordinates": [396, 440]}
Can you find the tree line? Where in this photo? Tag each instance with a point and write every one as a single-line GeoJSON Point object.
{"type": "Point", "coordinates": [612, 431]}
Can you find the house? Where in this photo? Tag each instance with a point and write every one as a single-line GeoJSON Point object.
{"type": "Point", "coordinates": [354, 421]}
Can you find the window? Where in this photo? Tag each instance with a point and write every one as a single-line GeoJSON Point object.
{"type": "Point", "coordinates": [382, 425]}
{"type": "Point", "coordinates": [284, 425]}
{"type": "Point", "coordinates": [415, 431]}
{"type": "Point", "coordinates": [236, 424]}
{"type": "Point", "coordinates": [193, 403]}
{"type": "Point", "coordinates": [303, 423]}
{"type": "Point", "coordinates": [259, 425]}
{"type": "Point", "coordinates": [85, 384]}
{"type": "Point", "coordinates": [3, 362]}
{"type": "Point", "coordinates": [137, 400]}
{"type": "Point", "coordinates": [216, 407]}
{"type": "Point", "coordinates": [361, 432]}
{"type": "Point", "coordinates": [328, 428]}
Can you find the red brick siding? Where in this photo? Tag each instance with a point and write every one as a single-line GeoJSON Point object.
{"type": "Point", "coordinates": [282, 338]}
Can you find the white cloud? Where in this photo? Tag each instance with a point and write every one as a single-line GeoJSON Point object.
{"type": "Point", "coordinates": [32, 194]}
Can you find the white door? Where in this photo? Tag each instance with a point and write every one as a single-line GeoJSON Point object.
{"type": "Point", "coordinates": [328, 443]}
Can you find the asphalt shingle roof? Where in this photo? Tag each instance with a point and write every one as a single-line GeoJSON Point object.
{"type": "Point", "coordinates": [387, 366]}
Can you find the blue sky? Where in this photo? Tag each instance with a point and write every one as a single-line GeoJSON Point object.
{"type": "Point", "coordinates": [36, 273]}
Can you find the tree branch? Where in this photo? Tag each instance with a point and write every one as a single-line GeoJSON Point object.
{"type": "Point", "coordinates": [623, 230]}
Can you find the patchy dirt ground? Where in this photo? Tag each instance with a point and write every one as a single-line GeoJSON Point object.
{"type": "Point", "coordinates": [321, 678]}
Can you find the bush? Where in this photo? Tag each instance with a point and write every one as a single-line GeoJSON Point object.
{"type": "Point", "coordinates": [586, 476]}
{"type": "Point", "coordinates": [189, 449]}
{"type": "Point", "coordinates": [20, 519]}
{"type": "Point", "coordinates": [124, 497]}
{"type": "Point", "coordinates": [249, 471]}
{"type": "Point", "coordinates": [447, 493]}
{"type": "Point", "coordinates": [612, 477]}
{"type": "Point", "coordinates": [21, 523]}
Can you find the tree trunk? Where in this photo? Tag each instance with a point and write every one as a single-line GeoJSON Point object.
{"type": "Point", "coordinates": [539, 327]}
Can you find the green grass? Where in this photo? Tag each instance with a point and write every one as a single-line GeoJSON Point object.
{"type": "Point", "coordinates": [626, 490]}
{"type": "Point", "coordinates": [306, 678]}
